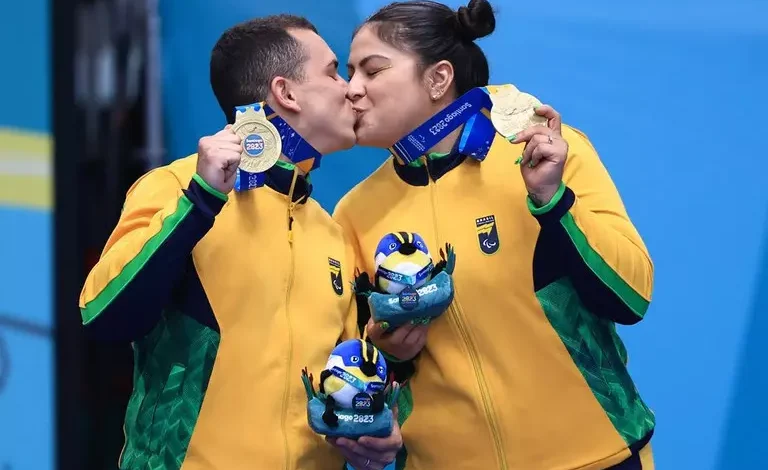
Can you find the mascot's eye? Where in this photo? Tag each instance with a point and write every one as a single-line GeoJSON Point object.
{"type": "Point", "coordinates": [354, 359]}
{"type": "Point", "coordinates": [381, 370]}
{"type": "Point", "coordinates": [419, 244]}
{"type": "Point", "coordinates": [392, 246]}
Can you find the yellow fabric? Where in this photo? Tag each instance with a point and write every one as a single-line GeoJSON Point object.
{"type": "Point", "coordinates": [597, 196]}
{"type": "Point", "coordinates": [495, 387]}
{"type": "Point", "coordinates": [646, 458]}
{"type": "Point", "coordinates": [277, 312]}
{"type": "Point", "coordinates": [151, 199]}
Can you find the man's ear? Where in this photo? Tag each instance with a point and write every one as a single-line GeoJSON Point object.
{"type": "Point", "coordinates": [284, 94]}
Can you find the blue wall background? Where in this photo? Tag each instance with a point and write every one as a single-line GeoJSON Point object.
{"type": "Point", "coordinates": [671, 92]}
{"type": "Point", "coordinates": [26, 353]}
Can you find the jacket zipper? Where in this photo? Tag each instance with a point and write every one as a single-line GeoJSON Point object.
{"type": "Point", "coordinates": [460, 321]}
{"type": "Point", "coordinates": [288, 375]}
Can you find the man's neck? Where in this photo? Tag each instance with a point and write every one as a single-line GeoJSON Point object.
{"type": "Point", "coordinates": [287, 160]}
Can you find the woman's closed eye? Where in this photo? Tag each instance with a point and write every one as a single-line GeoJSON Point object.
{"type": "Point", "coordinates": [375, 72]}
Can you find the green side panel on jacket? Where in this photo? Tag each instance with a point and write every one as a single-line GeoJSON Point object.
{"type": "Point", "coordinates": [172, 366]}
{"type": "Point", "coordinates": [601, 358]}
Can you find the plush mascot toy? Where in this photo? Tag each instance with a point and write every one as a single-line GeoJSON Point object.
{"type": "Point", "coordinates": [407, 286]}
{"type": "Point", "coordinates": [354, 399]}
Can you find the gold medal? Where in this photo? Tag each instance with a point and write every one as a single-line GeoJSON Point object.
{"type": "Point", "coordinates": [512, 110]}
{"type": "Point", "coordinates": [261, 141]}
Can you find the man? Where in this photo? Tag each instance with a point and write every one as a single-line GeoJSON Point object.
{"type": "Point", "coordinates": [226, 295]}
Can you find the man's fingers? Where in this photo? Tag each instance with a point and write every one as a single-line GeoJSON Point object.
{"type": "Point", "coordinates": [361, 463]}
{"type": "Point", "coordinates": [370, 452]}
{"type": "Point", "coordinates": [358, 460]}
{"type": "Point", "coordinates": [227, 130]}
{"type": "Point", "coordinates": [554, 121]}
{"type": "Point", "coordinates": [375, 444]}
{"type": "Point", "coordinates": [357, 450]}
{"type": "Point", "coordinates": [227, 135]}
{"type": "Point", "coordinates": [231, 146]}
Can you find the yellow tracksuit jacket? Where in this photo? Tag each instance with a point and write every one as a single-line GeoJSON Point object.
{"type": "Point", "coordinates": [223, 316]}
{"type": "Point", "coordinates": [525, 371]}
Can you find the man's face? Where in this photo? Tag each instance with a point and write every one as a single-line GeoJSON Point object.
{"type": "Point", "coordinates": [326, 119]}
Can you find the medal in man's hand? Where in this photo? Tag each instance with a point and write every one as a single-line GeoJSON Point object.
{"type": "Point", "coordinates": [261, 141]}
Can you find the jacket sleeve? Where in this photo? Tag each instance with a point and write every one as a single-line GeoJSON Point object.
{"type": "Point", "coordinates": [146, 254]}
{"type": "Point", "coordinates": [587, 227]}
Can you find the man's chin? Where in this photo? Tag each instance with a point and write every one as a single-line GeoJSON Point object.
{"type": "Point", "coordinates": [366, 138]}
{"type": "Point", "coordinates": [345, 142]}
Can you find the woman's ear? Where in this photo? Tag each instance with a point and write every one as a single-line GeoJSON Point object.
{"type": "Point", "coordinates": [439, 78]}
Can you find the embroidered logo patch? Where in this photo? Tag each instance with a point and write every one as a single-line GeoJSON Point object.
{"type": "Point", "coordinates": [336, 280]}
{"type": "Point", "coordinates": [487, 234]}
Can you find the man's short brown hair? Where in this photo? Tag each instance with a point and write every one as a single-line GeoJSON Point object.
{"type": "Point", "coordinates": [249, 55]}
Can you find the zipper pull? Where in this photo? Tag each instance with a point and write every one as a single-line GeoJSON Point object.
{"type": "Point", "coordinates": [290, 224]}
{"type": "Point", "coordinates": [426, 168]}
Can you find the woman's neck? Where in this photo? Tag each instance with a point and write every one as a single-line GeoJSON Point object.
{"type": "Point", "coordinates": [447, 144]}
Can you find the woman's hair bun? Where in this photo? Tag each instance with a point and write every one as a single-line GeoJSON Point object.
{"type": "Point", "coordinates": [476, 20]}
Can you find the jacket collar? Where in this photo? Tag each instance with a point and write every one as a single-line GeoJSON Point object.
{"type": "Point", "coordinates": [434, 165]}
{"type": "Point", "coordinates": [280, 177]}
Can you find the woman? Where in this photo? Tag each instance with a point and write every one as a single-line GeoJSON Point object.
{"type": "Point", "coordinates": [525, 370]}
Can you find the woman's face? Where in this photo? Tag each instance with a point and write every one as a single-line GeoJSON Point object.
{"type": "Point", "coordinates": [389, 95]}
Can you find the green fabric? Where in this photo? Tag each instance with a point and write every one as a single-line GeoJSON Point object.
{"type": "Point", "coordinates": [591, 343]}
{"type": "Point", "coordinates": [548, 206]}
{"type": "Point", "coordinates": [209, 188]}
{"type": "Point", "coordinates": [94, 308]}
{"type": "Point", "coordinates": [431, 156]}
{"type": "Point", "coordinates": [404, 410]}
{"type": "Point", "coordinates": [285, 165]}
{"type": "Point", "coordinates": [631, 298]}
{"type": "Point", "coordinates": [602, 270]}
{"type": "Point", "coordinates": [172, 366]}
{"type": "Point", "coordinates": [391, 358]}
{"type": "Point", "coordinates": [290, 167]}
{"type": "Point", "coordinates": [619, 345]}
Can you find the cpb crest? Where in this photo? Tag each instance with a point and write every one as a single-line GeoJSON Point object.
{"type": "Point", "coordinates": [487, 234]}
{"type": "Point", "coordinates": [336, 280]}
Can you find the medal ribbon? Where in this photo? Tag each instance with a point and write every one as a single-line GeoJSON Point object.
{"type": "Point", "coordinates": [294, 147]}
{"type": "Point", "coordinates": [356, 382]}
{"type": "Point", "coordinates": [404, 278]}
{"type": "Point", "coordinates": [472, 108]}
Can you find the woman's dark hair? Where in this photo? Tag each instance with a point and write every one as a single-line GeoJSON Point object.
{"type": "Point", "coordinates": [435, 32]}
